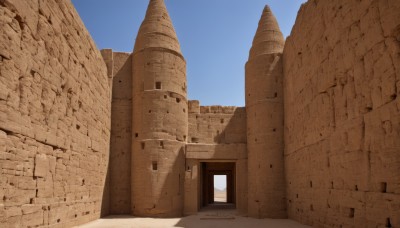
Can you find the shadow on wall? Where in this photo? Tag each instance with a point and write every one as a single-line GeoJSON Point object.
{"type": "Point", "coordinates": [105, 202]}
{"type": "Point", "coordinates": [117, 189]}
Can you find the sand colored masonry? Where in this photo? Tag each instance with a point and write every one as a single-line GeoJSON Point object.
{"type": "Point", "coordinates": [87, 133]}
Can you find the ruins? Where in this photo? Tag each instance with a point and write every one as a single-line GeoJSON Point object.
{"type": "Point", "coordinates": [86, 133]}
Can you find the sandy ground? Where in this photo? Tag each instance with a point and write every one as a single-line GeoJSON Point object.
{"type": "Point", "coordinates": [219, 196]}
{"type": "Point", "coordinates": [209, 218]}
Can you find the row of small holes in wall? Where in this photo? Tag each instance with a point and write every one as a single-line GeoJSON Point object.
{"type": "Point", "coordinates": [184, 110]}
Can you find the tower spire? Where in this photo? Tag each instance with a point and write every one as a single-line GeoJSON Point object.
{"type": "Point", "coordinates": [268, 38]}
{"type": "Point", "coordinates": [264, 111]}
{"type": "Point", "coordinates": [157, 29]}
{"type": "Point", "coordinates": [160, 118]}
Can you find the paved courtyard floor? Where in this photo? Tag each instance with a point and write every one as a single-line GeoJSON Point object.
{"type": "Point", "coordinates": [209, 217]}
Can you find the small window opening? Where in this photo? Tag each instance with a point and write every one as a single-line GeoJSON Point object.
{"type": "Point", "coordinates": [158, 85]}
{"type": "Point", "coordinates": [222, 121]}
{"type": "Point", "coordinates": [383, 187]}
{"type": "Point", "coordinates": [162, 144]}
{"type": "Point", "coordinates": [310, 184]}
{"type": "Point", "coordinates": [136, 135]}
{"type": "Point", "coordinates": [154, 165]}
{"type": "Point", "coordinates": [312, 207]}
{"type": "Point", "coordinates": [388, 223]}
{"type": "Point", "coordinates": [270, 166]}
{"type": "Point", "coordinates": [178, 100]}
{"type": "Point", "coordinates": [351, 214]}
{"type": "Point", "coordinates": [143, 145]}
{"type": "Point", "coordinates": [356, 188]}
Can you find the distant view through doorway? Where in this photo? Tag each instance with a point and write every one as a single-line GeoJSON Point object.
{"type": "Point", "coordinates": [220, 195]}
{"type": "Point", "coordinates": [217, 183]}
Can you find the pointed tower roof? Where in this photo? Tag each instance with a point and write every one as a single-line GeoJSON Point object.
{"type": "Point", "coordinates": [157, 30]}
{"type": "Point", "coordinates": [269, 38]}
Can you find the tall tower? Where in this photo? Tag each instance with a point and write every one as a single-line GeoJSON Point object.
{"type": "Point", "coordinates": [264, 107]}
{"type": "Point", "coordinates": [160, 119]}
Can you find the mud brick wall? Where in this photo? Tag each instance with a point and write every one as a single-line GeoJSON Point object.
{"type": "Point", "coordinates": [54, 116]}
{"type": "Point", "coordinates": [216, 124]}
{"type": "Point", "coordinates": [342, 114]}
{"type": "Point", "coordinates": [119, 67]}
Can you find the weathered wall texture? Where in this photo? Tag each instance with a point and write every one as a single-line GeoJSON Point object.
{"type": "Point", "coordinates": [342, 114]}
{"type": "Point", "coordinates": [120, 68]}
{"type": "Point", "coordinates": [54, 116]}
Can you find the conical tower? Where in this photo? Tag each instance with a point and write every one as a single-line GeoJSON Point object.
{"type": "Point", "coordinates": [160, 119]}
{"type": "Point", "coordinates": [264, 107]}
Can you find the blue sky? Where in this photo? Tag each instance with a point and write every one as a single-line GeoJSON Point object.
{"type": "Point", "coordinates": [215, 37]}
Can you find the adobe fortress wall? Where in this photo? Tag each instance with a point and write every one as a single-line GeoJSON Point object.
{"type": "Point", "coordinates": [54, 116]}
{"type": "Point", "coordinates": [342, 114]}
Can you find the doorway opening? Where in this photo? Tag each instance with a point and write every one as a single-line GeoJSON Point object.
{"type": "Point", "coordinates": [218, 184]}
{"type": "Point", "coordinates": [220, 195]}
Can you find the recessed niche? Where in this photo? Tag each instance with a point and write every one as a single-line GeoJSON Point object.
{"type": "Point", "coordinates": [356, 188]}
{"type": "Point", "coordinates": [154, 165]}
{"type": "Point", "coordinates": [310, 184]}
{"type": "Point", "coordinates": [178, 100]}
{"type": "Point", "coordinates": [158, 85]}
{"type": "Point", "coordinates": [184, 110]}
{"type": "Point", "coordinates": [222, 121]}
{"type": "Point", "coordinates": [143, 145]}
{"type": "Point", "coordinates": [383, 187]}
{"type": "Point", "coordinates": [162, 144]}
{"type": "Point", "coordinates": [165, 96]}
{"type": "Point", "coordinates": [351, 214]}
{"type": "Point", "coordinates": [388, 223]}
{"type": "Point", "coordinates": [311, 207]}
{"type": "Point", "coordinates": [149, 111]}
{"type": "Point", "coordinates": [136, 135]}
{"type": "Point", "coordinates": [270, 166]}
